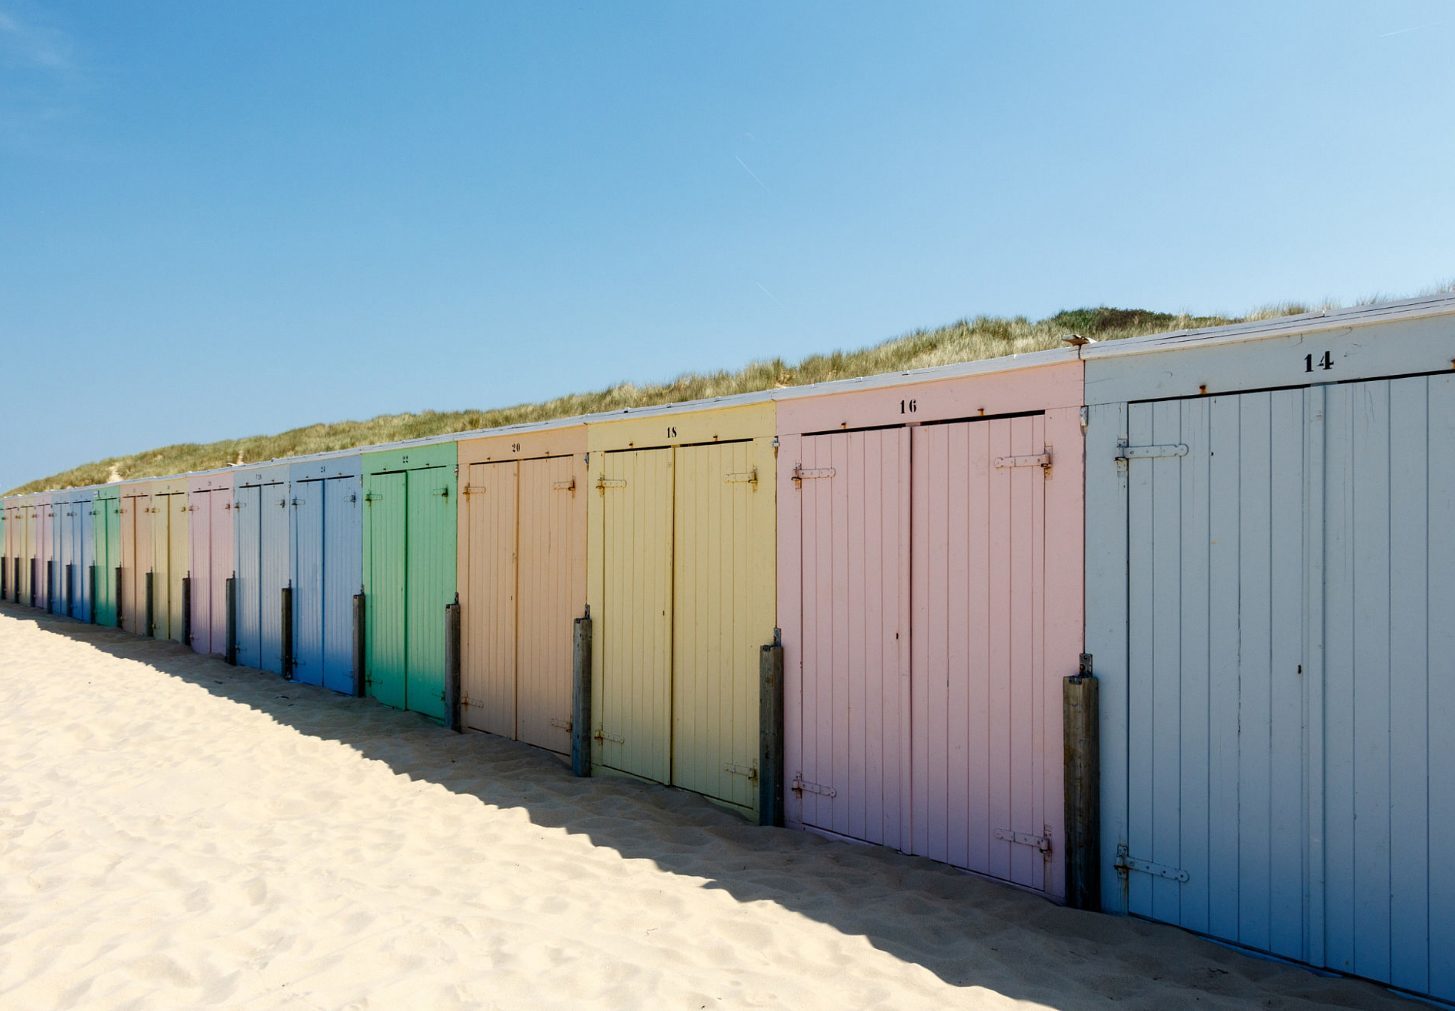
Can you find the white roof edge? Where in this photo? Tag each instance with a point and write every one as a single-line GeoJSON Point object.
{"type": "Point", "coordinates": [1424, 307]}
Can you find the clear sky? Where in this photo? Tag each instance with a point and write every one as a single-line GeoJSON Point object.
{"type": "Point", "coordinates": [226, 219]}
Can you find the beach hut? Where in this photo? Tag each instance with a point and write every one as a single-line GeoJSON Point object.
{"type": "Point", "coordinates": [1268, 570]}
{"type": "Point", "coordinates": [409, 572]}
{"type": "Point", "coordinates": [6, 570]}
{"type": "Point", "coordinates": [680, 564]}
{"type": "Point", "coordinates": [107, 545]}
{"type": "Point", "coordinates": [263, 562]}
{"type": "Point", "coordinates": [75, 554]}
{"type": "Point", "coordinates": [14, 530]}
{"type": "Point", "coordinates": [522, 575]}
{"type": "Point", "coordinates": [327, 533]}
{"type": "Point", "coordinates": [210, 558]}
{"type": "Point", "coordinates": [136, 556]}
{"type": "Point", "coordinates": [25, 536]}
{"type": "Point", "coordinates": [930, 597]}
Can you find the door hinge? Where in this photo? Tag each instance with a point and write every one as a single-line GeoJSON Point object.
{"type": "Point", "coordinates": [561, 724]}
{"type": "Point", "coordinates": [1042, 460]}
{"type": "Point", "coordinates": [1125, 863]}
{"type": "Point", "coordinates": [750, 772]}
{"type": "Point", "coordinates": [610, 482]}
{"type": "Point", "coordinates": [744, 477]}
{"type": "Point", "coordinates": [1125, 452]}
{"type": "Point", "coordinates": [801, 786]}
{"type": "Point", "coordinates": [802, 473]}
{"type": "Point", "coordinates": [1040, 842]}
{"type": "Point", "coordinates": [603, 737]}
{"type": "Point", "coordinates": [564, 485]}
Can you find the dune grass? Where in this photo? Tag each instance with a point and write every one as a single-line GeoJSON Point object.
{"type": "Point", "coordinates": [966, 340]}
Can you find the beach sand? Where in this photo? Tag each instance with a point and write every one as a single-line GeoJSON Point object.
{"type": "Point", "coordinates": [177, 833]}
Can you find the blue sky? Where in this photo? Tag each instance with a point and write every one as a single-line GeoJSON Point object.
{"type": "Point", "coordinates": [226, 219]}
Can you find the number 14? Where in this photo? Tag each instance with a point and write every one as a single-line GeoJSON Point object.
{"type": "Point", "coordinates": [1325, 363]}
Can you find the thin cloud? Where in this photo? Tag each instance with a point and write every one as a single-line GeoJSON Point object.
{"type": "Point", "coordinates": [25, 46]}
{"type": "Point", "coordinates": [1406, 31]}
{"type": "Point", "coordinates": [752, 173]}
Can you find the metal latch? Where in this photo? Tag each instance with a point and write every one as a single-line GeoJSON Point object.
{"type": "Point", "coordinates": [603, 736]}
{"type": "Point", "coordinates": [1038, 460]}
{"type": "Point", "coordinates": [800, 786]}
{"type": "Point", "coordinates": [748, 771]}
{"type": "Point", "coordinates": [1039, 842]}
{"type": "Point", "coordinates": [564, 485]}
{"type": "Point", "coordinates": [1125, 863]}
{"type": "Point", "coordinates": [1125, 452]}
{"type": "Point", "coordinates": [744, 477]}
{"type": "Point", "coordinates": [610, 482]}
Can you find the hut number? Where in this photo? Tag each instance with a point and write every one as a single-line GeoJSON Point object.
{"type": "Point", "coordinates": [515, 447]}
{"type": "Point", "coordinates": [908, 406]}
{"type": "Point", "coordinates": [1325, 363]}
{"type": "Point", "coordinates": [671, 431]}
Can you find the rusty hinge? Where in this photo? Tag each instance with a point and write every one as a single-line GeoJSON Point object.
{"type": "Point", "coordinates": [564, 485]}
{"type": "Point", "coordinates": [562, 725]}
{"type": "Point", "coordinates": [802, 473]}
{"type": "Point", "coordinates": [801, 786]}
{"type": "Point", "coordinates": [1125, 863]}
{"type": "Point", "coordinates": [749, 772]}
{"type": "Point", "coordinates": [1037, 460]}
{"type": "Point", "coordinates": [603, 737]}
{"type": "Point", "coordinates": [1125, 452]}
{"type": "Point", "coordinates": [744, 477]}
{"type": "Point", "coordinates": [1040, 842]}
{"type": "Point", "coordinates": [613, 482]}
{"type": "Point", "coordinates": [471, 489]}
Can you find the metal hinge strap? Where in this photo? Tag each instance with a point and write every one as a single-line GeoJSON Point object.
{"type": "Point", "coordinates": [603, 736]}
{"type": "Point", "coordinates": [1125, 863]}
{"type": "Point", "coordinates": [811, 473]}
{"type": "Point", "coordinates": [744, 477]}
{"type": "Point", "coordinates": [605, 483]}
{"type": "Point", "coordinates": [802, 786]}
{"type": "Point", "coordinates": [1038, 460]}
{"type": "Point", "coordinates": [748, 771]}
{"type": "Point", "coordinates": [561, 724]}
{"type": "Point", "coordinates": [1125, 452]}
{"type": "Point", "coordinates": [564, 485]}
{"type": "Point", "coordinates": [1040, 842]}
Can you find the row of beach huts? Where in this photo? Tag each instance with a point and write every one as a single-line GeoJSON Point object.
{"type": "Point", "coordinates": [1162, 626]}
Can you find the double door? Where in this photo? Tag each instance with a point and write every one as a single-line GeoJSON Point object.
{"type": "Point", "coordinates": [326, 575]}
{"type": "Point", "coordinates": [1291, 688]}
{"type": "Point", "coordinates": [928, 719]}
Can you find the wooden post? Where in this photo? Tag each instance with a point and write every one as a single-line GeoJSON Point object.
{"type": "Point", "coordinates": [770, 732]}
{"type": "Point", "coordinates": [230, 607]}
{"type": "Point", "coordinates": [151, 621]}
{"type": "Point", "coordinates": [70, 589]}
{"type": "Point", "coordinates": [93, 587]}
{"type": "Point", "coordinates": [1079, 698]}
{"type": "Point", "coordinates": [34, 571]}
{"type": "Point", "coordinates": [452, 665]}
{"type": "Point", "coordinates": [187, 609]}
{"type": "Point", "coordinates": [359, 680]}
{"type": "Point", "coordinates": [120, 618]}
{"type": "Point", "coordinates": [285, 625]}
{"type": "Point", "coordinates": [581, 695]}
{"type": "Point", "coordinates": [50, 585]}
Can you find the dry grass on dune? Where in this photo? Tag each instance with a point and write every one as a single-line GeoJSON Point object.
{"type": "Point", "coordinates": [967, 340]}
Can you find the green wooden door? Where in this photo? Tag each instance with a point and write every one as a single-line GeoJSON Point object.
{"type": "Point", "coordinates": [106, 512]}
{"type": "Point", "coordinates": [385, 501]}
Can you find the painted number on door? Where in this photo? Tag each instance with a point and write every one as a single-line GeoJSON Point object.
{"type": "Point", "coordinates": [908, 406]}
{"type": "Point", "coordinates": [1325, 363]}
{"type": "Point", "coordinates": [671, 431]}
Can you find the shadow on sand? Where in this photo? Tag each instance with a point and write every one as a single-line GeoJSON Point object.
{"type": "Point", "coordinates": [965, 930]}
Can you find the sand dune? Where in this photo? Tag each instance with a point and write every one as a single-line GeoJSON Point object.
{"type": "Point", "coordinates": [177, 833]}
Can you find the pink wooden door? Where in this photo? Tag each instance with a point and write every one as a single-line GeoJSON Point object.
{"type": "Point", "coordinates": [552, 594]}
{"type": "Point", "coordinates": [855, 771]}
{"type": "Point", "coordinates": [488, 660]}
{"type": "Point", "coordinates": [978, 669]}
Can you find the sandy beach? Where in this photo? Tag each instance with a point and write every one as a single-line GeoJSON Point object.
{"type": "Point", "coordinates": [177, 833]}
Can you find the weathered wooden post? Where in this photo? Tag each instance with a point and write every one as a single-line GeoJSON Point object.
{"type": "Point", "coordinates": [151, 618]}
{"type": "Point", "coordinates": [359, 679]}
{"type": "Point", "coordinates": [92, 587]}
{"type": "Point", "coordinates": [1079, 698]}
{"type": "Point", "coordinates": [581, 695]}
{"type": "Point", "coordinates": [770, 732]}
{"type": "Point", "coordinates": [70, 590]}
{"type": "Point", "coordinates": [285, 624]}
{"type": "Point", "coordinates": [120, 616]}
{"type": "Point", "coordinates": [34, 571]}
{"type": "Point", "coordinates": [230, 609]}
{"type": "Point", "coordinates": [452, 665]}
{"type": "Point", "coordinates": [50, 585]}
